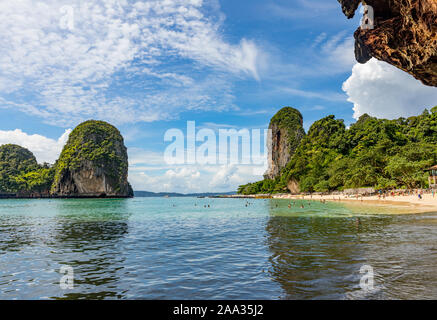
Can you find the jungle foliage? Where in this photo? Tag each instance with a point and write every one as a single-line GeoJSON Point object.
{"type": "Point", "coordinates": [372, 152]}
{"type": "Point", "coordinates": [20, 172]}
{"type": "Point", "coordinates": [95, 141]}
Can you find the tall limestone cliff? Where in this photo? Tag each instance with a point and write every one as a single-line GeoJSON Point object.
{"type": "Point", "coordinates": [93, 163]}
{"type": "Point", "coordinates": [287, 131]}
{"type": "Point", "coordinates": [405, 35]}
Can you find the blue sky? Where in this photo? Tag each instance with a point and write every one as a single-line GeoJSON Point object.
{"type": "Point", "coordinates": [148, 66]}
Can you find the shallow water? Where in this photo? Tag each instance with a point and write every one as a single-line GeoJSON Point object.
{"type": "Point", "coordinates": [159, 248]}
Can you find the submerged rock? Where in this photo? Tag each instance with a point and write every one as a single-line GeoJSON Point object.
{"type": "Point", "coordinates": [405, 35]}
{"type": "Point", "coordinates": [93, 163]}
{"type": "Point", "coordinates": [287, 131]}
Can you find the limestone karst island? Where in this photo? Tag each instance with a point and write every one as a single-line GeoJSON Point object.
{"type": "Point", "coordinates": [372, 154]}
{"type": "Point", "coordinates": [241, 150]}
{"type": "Point", "coordinates": [93, 163]}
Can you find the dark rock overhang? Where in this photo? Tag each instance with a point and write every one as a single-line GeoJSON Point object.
{"type": "Point", "coordinates": [404, 35]}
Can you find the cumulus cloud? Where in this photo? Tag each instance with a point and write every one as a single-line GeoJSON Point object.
{"type": "Point", "coordinates": [115, 60]}
{"type": "Point", "coordinates": [381, 90]}
{"type": "Point", "coordinates": [149, 171]}
{"type": "Point", "coordinates": [44, 149]}
{"type": "Point", "coordinates": [193, 178]}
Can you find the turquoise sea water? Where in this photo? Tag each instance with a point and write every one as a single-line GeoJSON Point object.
{"type": "Point", "coordinates": [175, 248]}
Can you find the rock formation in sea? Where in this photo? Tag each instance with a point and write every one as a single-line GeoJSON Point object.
{"type": "Point", "coordinates": [287, 131]}
{"type": "Point", "coordinates": [93, 163]}
{"type": "Point", "coordinates": [405, 35]}
{"type": "Point", "coordinates": [14, 160]}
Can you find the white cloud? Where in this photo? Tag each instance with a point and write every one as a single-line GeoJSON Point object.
{"type": "Point", "coordinates": [44, 149]}
{"type": "Point", "coordinates": [303, 9]}
{"type": "Point", "coordinates": [192, 178]}
{"type": "Point", "coordinates": [381, 90]}
{"type": "Point", "coordinates": [138, 156]}
{"type": "Point", "coordinates": [118, 63]}
{"type": "Point", "coordinates": [321, 37]}
{"type": "Point", "coordinates": [327, 55]}
{"type": "Point", "coordinates": [328, 96]}
{"type": "Point", "coordinates": [341, 53]}
{"type": "Point", "coordinates": [149, 171]}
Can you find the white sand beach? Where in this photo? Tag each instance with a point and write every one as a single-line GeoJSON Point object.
{"type": "Point", "coordinates": [428, 203]}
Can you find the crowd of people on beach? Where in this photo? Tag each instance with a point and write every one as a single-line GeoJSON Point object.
{"type": "Point", "coordinates": [383, 194]}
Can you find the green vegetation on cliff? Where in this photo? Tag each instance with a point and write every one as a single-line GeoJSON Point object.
{"type": "Point", "coordinates": [94, 158]}
{"type": "Point", "coordinates": [290, 120]}
{"type": "Point", "coordinates": [19, 171]}
{"type": "Point", "coordinates": [373, 152]}
{"type": "Point", "coordinates": [93, 145]}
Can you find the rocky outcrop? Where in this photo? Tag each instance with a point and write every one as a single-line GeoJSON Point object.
{"type": "Point", "coordinates": [405, 35]}
{"type": "Point", "coordinates": [293, 186]}
{"type": "Point", "coordinates": [14, 160]}
{"type": "Point", "coordinates": [286, 133]}
{"type": "Point", "coordinates": [93, 163]}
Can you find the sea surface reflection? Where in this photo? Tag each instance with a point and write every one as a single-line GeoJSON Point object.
{"type": "Point", "coordinates": [157, 248]}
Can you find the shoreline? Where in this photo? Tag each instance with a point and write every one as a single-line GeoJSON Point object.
{"type": "Point", "coordinates": [428, 203]}
{"type": "Point", "coordinates": [63, 197]}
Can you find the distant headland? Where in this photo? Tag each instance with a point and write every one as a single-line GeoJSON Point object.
{"type": "Point", "coordinates": [93, 163]}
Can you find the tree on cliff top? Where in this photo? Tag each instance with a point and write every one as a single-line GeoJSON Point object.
{"type": "Point", "coordinates": [14, 160]}
{"type": "Point", "coordinates": [373, 152]}
{"type": "Point", "coordinates": [95, 144]}
{"type": "Point", "coordinates": [290, 119]}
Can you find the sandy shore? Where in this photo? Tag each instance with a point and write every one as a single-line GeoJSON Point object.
{"type": "Point", "coordinates": [412, 203]}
